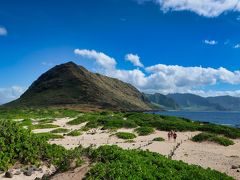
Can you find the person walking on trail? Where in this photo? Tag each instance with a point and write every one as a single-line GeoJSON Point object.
{"type": "Point", "coordinates": [174, 136]}
{"type": "Point", "coordinates": [169, 136]}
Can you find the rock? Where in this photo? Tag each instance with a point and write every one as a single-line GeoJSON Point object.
{"type": "Point", "coordinates": [8, 174]}
{"type": "Point", "coordinates": [17, 173]}
{"type": "Point", "coordinates": [234, 167]}
{"type": "Point", "coordinates": [28, 172]}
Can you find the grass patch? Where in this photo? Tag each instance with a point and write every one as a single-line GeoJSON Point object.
{"type": "Point", "coordinates": [45, 121]}
{"type": "Point", "coordinates": [143, 131]}
{"type": "Point", "coordinates": [48, 135]}
{"type": "Point", "coordinates": [77, 121]}
{"type": "Point", "coordinates": [213, 138]}
{"type": "Point", "coordinates": [43, 126]}
{"type": "Point", "coordinates": [26, 122]}
{"type": "Point", "coordinates": [74, 133]}
{"type": "Point", "coordinates": [125, 135]}
{"type": "Point", "coordinates": [158, 139]}
{"type": "Point", "coordinates": [60, 130]}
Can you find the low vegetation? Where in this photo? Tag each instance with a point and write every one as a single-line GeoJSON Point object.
{"type": "Point", "coordinates": [60, 130]}
{"type": "Point", "coordinates": [36, 113]}
{"type": "Point", "coordinates": [18, 144]}
{"type": "Point", "coordinates": [125, 135]}
{"type": "Point", "coordinates": [213, 138]}
{"type": "Point", "coordinates": [49, 136]}
{"type": "Point", "coordinates": [148, 121]}
{"type": "Point", "coordinates": [42, 126]}
{"type": "Point", "coordinates": [143, 131]}
{"type": "Point", "coordinates": [77, 121]}
{"type": "Point", "coordinates": [74, 133]}
{"type": "Point", "coordinates": [158, 139]}
{"type": "Point", "coordinates": [112, 162]}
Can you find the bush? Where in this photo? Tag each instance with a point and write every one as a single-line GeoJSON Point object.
{"type": "Point", "coordinates": [18, 144]}
{"type": "Point", "coordinates": [112, 162]}
{"type": "Point", "coordinates": [48, 135]}
{"type": "Point", "coordinates": [214, 138]}
{"type": "Point", "coordinates": [74, 133]}
{"type": "Point", "coordinates": [26, 122]}
{"type": "Point", "coordinates": [60, 130]}
{"type": "Point", "coordinates": [77, 121]}
{"type": "Point", "coordinates": [158, 139]}
{"type": "Point", "coordinates": [143, 131]}
{"type": "Point", "coordinates": [43, 126]}
{"type": "Point", "coordinates": [125, 135]}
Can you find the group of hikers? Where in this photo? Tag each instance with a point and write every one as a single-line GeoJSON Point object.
{"type": "Point", "coordinates": [172, 134]}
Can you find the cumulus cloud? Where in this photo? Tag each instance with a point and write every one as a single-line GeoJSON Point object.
{"type": "Point", "coordinates": [101, 58]}
{"type": "Point", "coordinates": [207, 8]}
{"type": "Point", "coordinates": [173, 78]}
{"type": "Point", "coordinates": [11, 93]}
{"type": "Point", "coordinates": [210, 42]}
{"type": "Point", "coordinates": [134, 59]}
{"type": "Point", "coordinates": [3, 31]}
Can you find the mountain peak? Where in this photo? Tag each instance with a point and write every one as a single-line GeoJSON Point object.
{"type": "Point", "coordinates": [70, 84]}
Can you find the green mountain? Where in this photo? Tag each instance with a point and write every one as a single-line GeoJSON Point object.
{"type": "Point", "coordinates": [163, 101]}
{"type": "Point", "coordinates": [228, 102]}
{"type": "Point", "coordinates": [70, 84]}
{"type": "Point", "coordinates": [194, 102]}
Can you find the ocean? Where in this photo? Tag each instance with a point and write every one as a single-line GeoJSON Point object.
{"type": "Point", "coordinates": [223, 118]}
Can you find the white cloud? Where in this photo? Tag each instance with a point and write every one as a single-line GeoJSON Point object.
{"type": "Point", "coordinates": [173, 78]}
{"type": "Point", "coordinates": [134, 59]}
{"type": "Point", "coordinates": [3, 31]}
{"type": "Point", "coordinates": [237, 46]}
{"type": "Point", "coordinates": [207, 8]}
{"type": "Point", "coordinates": [11, 93]}
{"type": "Point", "coordinates": [101, 58]}
{"type": "Point", "coordinates": [210, 42]}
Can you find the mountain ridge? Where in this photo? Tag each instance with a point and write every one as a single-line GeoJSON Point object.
{"type": "Point", "coordinates": [70, 84]}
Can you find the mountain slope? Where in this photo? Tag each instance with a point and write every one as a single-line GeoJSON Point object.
{"type": "Point", "coordinates": [162, 100]}
{"type": "Point", "coordinates": [195, 103]}
{"type": "Point", "coordinates": [228, 102]}
{"type": "Point", "coordinates": [70, 84]}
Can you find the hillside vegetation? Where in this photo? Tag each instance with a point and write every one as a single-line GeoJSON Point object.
{"type": "Point", "coordinates": [70, 84]}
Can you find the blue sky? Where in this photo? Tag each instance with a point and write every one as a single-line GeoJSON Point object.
{"type": "Point", "coordinates": [181, 47]}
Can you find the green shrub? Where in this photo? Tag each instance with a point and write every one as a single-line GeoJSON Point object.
{"type": "Point", "coordinates": [43, 126]}
{"type": "Point", "coordinates": [112, 162]}
{"type": "Point", "coordinates": [26, 122]}
{"type": "Point", "coordinates": [74, 133]}
{"type": "Point", "coordinates": [45, 121]}
{"type": "Point", "coordinates": [77, 121]}
{"type": "Point", "coordinates": [125, 135]}
{"type": "Point", "coordinates": [18, 144]}
{"type": "Point", "coordinates": [60, 130]}
{"type": "Point", "coordinates": [214, 138]}
{"type": "Point", "coordinates": [143, 131]}
{"type": "Point", "coordinates": [48, 135]}
{"type": "Point", "coordinates": [158, 139]}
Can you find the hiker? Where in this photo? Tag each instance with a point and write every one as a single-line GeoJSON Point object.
{"type": "Point", "coordinates": [174, 136]}
{"type": "Point", "coordinates": [169, 136]}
